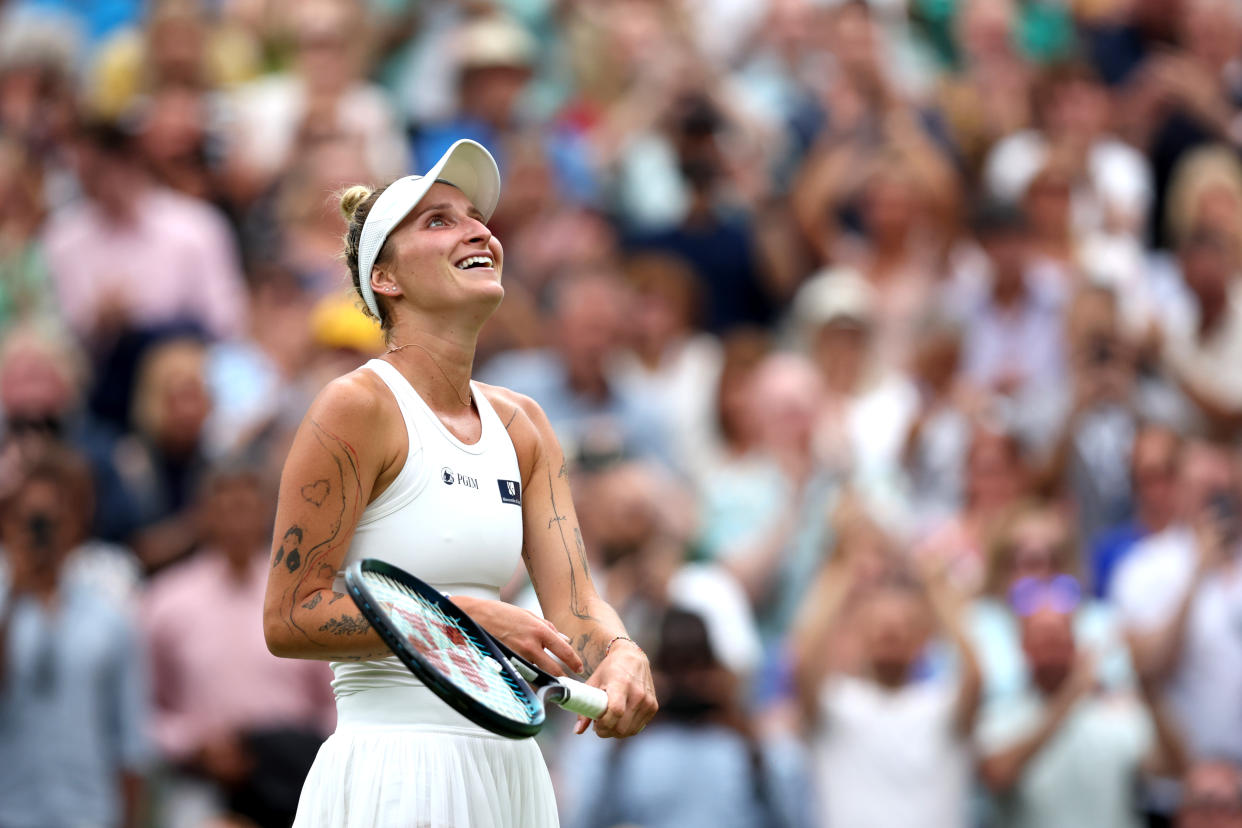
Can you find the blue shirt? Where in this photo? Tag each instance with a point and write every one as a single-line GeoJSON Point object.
{"type": "Point", "coordinates": [73, 709]}
{"type": "Point", "coordinates": [1108, 549]}
{"type": "Point", "coordinates": [688, 776]}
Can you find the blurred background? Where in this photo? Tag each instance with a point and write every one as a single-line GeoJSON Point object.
{"type": "Point", "coordinates": [896, 345]}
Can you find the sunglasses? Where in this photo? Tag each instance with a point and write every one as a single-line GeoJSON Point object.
{"type": "Point", "coordinates": [1060, 593]}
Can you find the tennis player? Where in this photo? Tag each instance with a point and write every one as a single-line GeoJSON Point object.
{"type": "Point", "coordinates": [406, 459]}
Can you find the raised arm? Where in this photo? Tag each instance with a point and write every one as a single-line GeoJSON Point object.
{"type": "Point", "coordinates": [947, 607]}
{"type": "Point", "coordinates": [333, 466]}
{"type": "Point", "coordinates": [556, 559]}
{"type": "Point", "coordinates": [817, 618]}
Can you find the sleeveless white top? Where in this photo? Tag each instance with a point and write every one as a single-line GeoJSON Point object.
{"type": "Point", "coordinates": [452, 516]}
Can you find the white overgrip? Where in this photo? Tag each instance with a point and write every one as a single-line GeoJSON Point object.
{"type": "Point", "coordinates": [582, 698]}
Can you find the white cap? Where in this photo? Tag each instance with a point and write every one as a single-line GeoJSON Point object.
{"type": "Point", "coordinates": [833, 294]}
{"type": "Point", "coordinates": [467, 165]}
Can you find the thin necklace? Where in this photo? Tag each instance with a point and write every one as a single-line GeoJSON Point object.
{"type": "Point", "coordinates": [467, 403]}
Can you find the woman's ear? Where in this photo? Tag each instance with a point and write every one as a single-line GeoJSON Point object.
{"type": "Point", "coordinates": [383, 283]}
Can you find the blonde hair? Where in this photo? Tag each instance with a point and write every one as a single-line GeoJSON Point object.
{"type": "Point", "coordinates": [1198, 173]}
{"type": "Point", "coordinates": [356, 203]}
{"type": "Point", "coordinates": [158, 366]}
{"type": "Point", "coordinates": [1000, 548]}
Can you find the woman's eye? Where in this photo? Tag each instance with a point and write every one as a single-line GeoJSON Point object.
{"type": "Point", "coordinates": [436, 221]}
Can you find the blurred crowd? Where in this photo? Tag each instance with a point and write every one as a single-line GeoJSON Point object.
{"type": "Point", "coordinates": [896, 346]}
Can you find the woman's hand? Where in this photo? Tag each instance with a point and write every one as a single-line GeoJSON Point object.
{"type": "Point", "coordinates": [625, 675]}
{"type": "Point", "coordinates": [525, 633]}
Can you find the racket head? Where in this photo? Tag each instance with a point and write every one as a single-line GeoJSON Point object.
{"type": "Point", "coordinates": [445, 648]}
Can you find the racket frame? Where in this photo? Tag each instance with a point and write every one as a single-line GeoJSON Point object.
{"type": "Point", "coordinates": [436, 681]}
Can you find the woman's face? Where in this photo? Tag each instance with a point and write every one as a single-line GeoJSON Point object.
{"type": "Point", "coordinates": [1037, 547]}
{"type": "Point", "coordinates": [442, 256]}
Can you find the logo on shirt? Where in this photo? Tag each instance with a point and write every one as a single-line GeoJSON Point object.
{"type": "Point", "coordinates": [450, 477]}
{"type": "Point", "coordinates": [510, 492]}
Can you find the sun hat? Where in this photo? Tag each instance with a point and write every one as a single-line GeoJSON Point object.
{"type": "Point", "coordinates": [467, 165]}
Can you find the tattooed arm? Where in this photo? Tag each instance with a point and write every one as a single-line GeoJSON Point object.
{"type": "Point", "coordinates": [334, 465]}
{"type": "Point", "coordinates": [556, 560]}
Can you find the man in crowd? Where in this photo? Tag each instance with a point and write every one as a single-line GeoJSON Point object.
{"type": "Point", "coordinates": [73, 693]}
{"type": "Point", "coordinates": [239, 725]}
{"type": "Point", "coordinates": [1061, 753]}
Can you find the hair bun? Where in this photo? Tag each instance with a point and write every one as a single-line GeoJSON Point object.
{"type": "Point", "coordinates": [352, 198]}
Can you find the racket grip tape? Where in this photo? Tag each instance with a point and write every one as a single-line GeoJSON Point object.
{"type": "Point", "coordinates": [583, 699]}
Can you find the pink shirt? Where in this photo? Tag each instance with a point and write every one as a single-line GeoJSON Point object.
{"type": "Point", "coordinates": [212, 672]}
{"type": "Point", "coordinates": [175, 260]}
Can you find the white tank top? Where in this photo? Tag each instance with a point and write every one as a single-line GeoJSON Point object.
{"type": "Point", "coordinates": [452, 516]}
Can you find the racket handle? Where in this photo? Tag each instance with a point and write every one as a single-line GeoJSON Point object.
{"type": "Point", "coordinates": [582, 698]}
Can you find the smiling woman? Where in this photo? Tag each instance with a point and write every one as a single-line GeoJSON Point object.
{"type": "Point", "coordinates": [373, 473]}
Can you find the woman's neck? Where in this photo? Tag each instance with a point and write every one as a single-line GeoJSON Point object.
{"type": "Point", "coordinates": [437, 363]}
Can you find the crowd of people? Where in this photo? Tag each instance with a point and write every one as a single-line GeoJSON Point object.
{"type": "Point", "coordinates": [896, 346]}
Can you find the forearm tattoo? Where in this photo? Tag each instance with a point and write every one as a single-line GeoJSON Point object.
{"type": "Point", "coordinates": [579, 568]}
{"type": "Point", "coordinates": [303, 549]}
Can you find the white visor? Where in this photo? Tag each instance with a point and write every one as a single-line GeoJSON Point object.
{"type": "Point", "coordinates": [467, 165]}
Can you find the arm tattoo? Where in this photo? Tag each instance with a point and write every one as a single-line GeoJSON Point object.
{"type": "Point", "coordinates": [293, 540]}
{"type": "Point", "coordinates": [512, 417]}
{"type": "Point", "coordinates": [577, 604]}
{"type": "Point", "coordinates": [313, 602]}
{"type": "Point", "coordinates": [316, 493]}
{"type": "Point", "coordinates": [333, 496]}
{"type": "Point", "coordinates": [590, 661]}
{"type": "Point", "coordinates": [346, 625]}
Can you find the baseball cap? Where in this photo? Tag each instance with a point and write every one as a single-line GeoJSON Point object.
{"type": "Point", "coordinates": [467, 165]}
{"type": "Point", "coordinates": [494, 42]}
{"type": "Point", "coordinates": [834, 295]}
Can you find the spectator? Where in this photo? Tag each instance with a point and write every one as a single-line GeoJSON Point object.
{"type": "Point", "coordinates": [1090, 454]}
{"type": "Point", "coordinates": [73, 689]}
{"type": "Point", "coordinates": [1112, 187]}
{"type": "Point", "coordinates": [889, 748]}
{"type": "Point", "coordinates": [43, 379]}
{"type": "Point", "coordinates": [934, 448]}
{"type": "Point", "coordinates": [1061, 752]}
{"type": "Point", "coordinates": [669, 358]}
{"type": "Point", "coordinates": [1154, 460]}
{"type": "Point", "coordinates": [1187, 97]}
{"type": "Point", "coordinates": [700, 762]}
{"type": "Point", "coordinates": [996, 478]}
{"type": "Point", "coordinates": [325, 93]}
{"type": "Point", "coordinates": [1198, 350]}
{"type": "Point", "coordinates": [156, 256]}
{"type": "Point", "coordinates": [238, 740]}
{"type": "Point", "coordinates": [764, 514]}
{"type": "Point", "coordinates": [716, 235]}
{"type": "Point", "coordinates": [867, 405]}
{"type": "Point", "coordinates": [1211, 795]}
{"type": "Point", "coordinates": [1178, 591]}
{"type": "Point", "coordinates": [25, 288]}
{"type": "Point", "coordinates": [1034, 540]}
{"type": "Point", "coordinates": [161, 460]}
{"type": "Point", "coordinates": [1014, 337]}
{"type": "Point", "coordinates": [575, 379]}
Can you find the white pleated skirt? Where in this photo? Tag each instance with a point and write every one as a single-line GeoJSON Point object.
{"type": "Point", "coordinates": [401, 758]}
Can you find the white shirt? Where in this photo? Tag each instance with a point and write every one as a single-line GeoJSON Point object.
{"type": "Point", "coordinates": [1205, 692]}
{"type": "Point", "coordinates": [1084, 774]}
{"type": "Point", "coordinates": [1210, 364]}
{"type": "Point", "coordinates": [889, 757]}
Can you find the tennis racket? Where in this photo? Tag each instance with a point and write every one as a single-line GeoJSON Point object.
{"type": "Point", "coordinates": [476, 674]}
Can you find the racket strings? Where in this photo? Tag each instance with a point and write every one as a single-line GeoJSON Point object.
{"type": "Point", "coordinates": [453, 650]}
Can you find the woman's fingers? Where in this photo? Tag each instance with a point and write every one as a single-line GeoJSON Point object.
{"type": "Point", "coordinates": [560, 647]}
